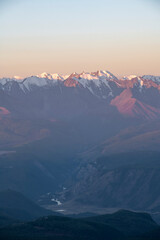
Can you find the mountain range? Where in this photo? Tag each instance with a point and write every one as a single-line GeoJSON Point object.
{"type": "Point", "coordinates": [84, 141]}
{"type": "Point", "coordinates": [133, 96]}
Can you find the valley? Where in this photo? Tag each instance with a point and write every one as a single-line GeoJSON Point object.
{"type": "Point", "coordinates": [84, 145]}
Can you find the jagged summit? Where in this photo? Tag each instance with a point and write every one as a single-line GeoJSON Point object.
{"type": "Point", "coordinates": [132, 96]}
{"type": "Point", "coordinates": [94, 75]}
{"type": "Point", "coordinates": [130, 77]}
{"type": "Point", "coordinates": [53, 76]}
{"type": "Point", "coordinates": [17, 77]}
{"type": "Point", "coordinates": [155, 79]}
{"type": "Point", "coordinates": [107, 74]}
{"type": "Point", "coordinates": [45, 75]}
{"type": "Point", "coordinates": [101, 83]}
{"type": "Point", "coordinates": [99, 74]}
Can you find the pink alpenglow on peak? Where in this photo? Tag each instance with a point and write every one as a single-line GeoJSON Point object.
{"type": "Point", "coordinates": [130, 77]}
{"type": "Point", "coordinates": [54, 76]}
{"type": "Point", "coordinates": [18, 78]}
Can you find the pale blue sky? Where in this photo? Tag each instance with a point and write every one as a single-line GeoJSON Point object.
{"type": "Point", "coordinates": [63, 36]}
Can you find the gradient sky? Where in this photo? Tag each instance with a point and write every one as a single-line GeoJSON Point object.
{"type": "Point", "coordinates": [122, 36]}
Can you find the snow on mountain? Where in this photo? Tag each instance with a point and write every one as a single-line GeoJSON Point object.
{"type": "Point", "coordinates": [63, 77]}
{"type": "Point", "coordinates": [100, 83]}
{"type": "Point", "coordinates": [141, 83]}
{"type": "Point", "coordinates": [54, 76]}
{"type": "Point", "coordinates": [3, 81]}
{"type": "Point", "coordinates": [97, 75]}
{"type": "Point", "coordinates": [99, 80]}
{"type": "Point", "coordinates": [17, 78]}
{"type": "Point", "coordinates": [29, 82]}
{"type": "Point", "coordinates": [155, 79]}
{"type": "Point", "coordinates": [108, 75]}
{"type": "Point", "coordinates": [41, 80]}
{"type": "Point", "coordinates": [130, 77]}
{"type": "Point", "coordinates": [45, 75]}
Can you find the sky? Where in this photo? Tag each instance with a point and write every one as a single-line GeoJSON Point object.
{"type": "Point", "coordinates": [65, 36]}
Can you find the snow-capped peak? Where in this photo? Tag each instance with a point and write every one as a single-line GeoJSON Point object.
{"type": "Point", "coordinates": [3, 81]}
{"type": "Point", "coordinates": [100, 82]}
{"type": "Point", "coordinates": [34, 81]}
{"type": "Point", "coordinates": [106, 74]}
{"type": "Point", "coordinates": [45, 75]}
{"type": "Point", "coordinates": [87, 76]}
{"type": "Point", "coordinates": [57, 76]}
{"type": "Point", "coordinates": [155, 79]}
{"type": "Point", "coordinates": [18, 78]}
{"type": "Point", "coordinates": [95, 75]}
{"type": "Point", "coordinates": [53, 76]}
{"type": "Point", "coordinates": [95, 82]}
{"type": "Point", "coordinates": [130, 77]}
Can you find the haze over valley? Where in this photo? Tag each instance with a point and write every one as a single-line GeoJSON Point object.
{"type": "Point", "coordinates": [80, 120]}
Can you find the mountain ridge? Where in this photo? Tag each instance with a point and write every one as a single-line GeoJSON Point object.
{"type": "Point", "coordinates": [92, 90]}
